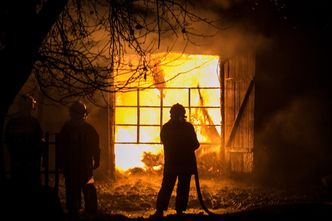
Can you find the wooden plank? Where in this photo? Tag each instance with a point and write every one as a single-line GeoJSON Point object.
{"type": "Point", "coordinates": [239, 114]}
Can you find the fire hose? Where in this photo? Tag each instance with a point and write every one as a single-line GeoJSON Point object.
{"type": "Point", "coordinates": [199, 194]}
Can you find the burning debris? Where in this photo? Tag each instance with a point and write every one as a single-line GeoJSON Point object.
{"type": "Point", "coordinates": [208, 165]}
{"type": "Point", "coordinates": [153, 162]}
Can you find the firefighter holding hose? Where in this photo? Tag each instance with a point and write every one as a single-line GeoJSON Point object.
{"type": "Point", "coordinates": [180, 142]}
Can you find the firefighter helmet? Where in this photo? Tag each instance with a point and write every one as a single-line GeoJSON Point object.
{"type": "Point", "coordinates": [78, 107]}
{"type": "Point", "coordinates": [27, 102]}
{"type": "Point", "coordinates": [178, 110]}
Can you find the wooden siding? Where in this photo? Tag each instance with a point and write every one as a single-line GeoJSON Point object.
{"type": "Point", "coordinates": [239, 95]}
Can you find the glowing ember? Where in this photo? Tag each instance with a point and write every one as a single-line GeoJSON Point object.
{"type": "Point", "coordinates": [193, 81]}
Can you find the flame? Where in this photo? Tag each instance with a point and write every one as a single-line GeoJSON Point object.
{"type": "Point", "coordinates": [171, 77]}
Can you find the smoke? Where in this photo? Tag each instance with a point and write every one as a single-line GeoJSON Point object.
{"type": "Point", "coordinates": [226, 4]}
{"type": "Point", "coordinates": [222, 35]}
{"type": "Point", "coordinates": [227, 43]}
{"type": "Point", "coordinates": [292, 105]}
{"type": "Point", "coordinates": [293, 141]}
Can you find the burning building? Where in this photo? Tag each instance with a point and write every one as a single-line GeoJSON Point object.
{"type": "Point", "coordinates": [219, 99]}
{"type": "Point", "coordinates": [218, 95]}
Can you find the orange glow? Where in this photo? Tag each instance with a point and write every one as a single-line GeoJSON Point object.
{"type": "Point", "coordinates": [191, 80]}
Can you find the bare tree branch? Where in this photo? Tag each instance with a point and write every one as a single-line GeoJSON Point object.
{"type": "Point", "coordinates": [87, 48]}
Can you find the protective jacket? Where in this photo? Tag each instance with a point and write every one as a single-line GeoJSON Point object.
{"type": "Point", "coordinates": [180, 142]}
{"type": "Point", "coordinates": [78, 150]}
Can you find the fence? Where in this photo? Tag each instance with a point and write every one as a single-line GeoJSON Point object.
{"type": "Point", "coordinates": [49, 170]}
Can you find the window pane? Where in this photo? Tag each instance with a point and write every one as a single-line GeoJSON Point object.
{"type": "Point", "coordinates": [173, 96]}
{"type": "Point", "coordinates": [149, 134]}
{"type": "Point", "coordinates": [150, 116]}
{"type": "Point", "coordinates": [166, 115]}
{"type": "Point", "coordinates": [126, 98]}
{"type": "Point", "coordinates": [125, 134]}
{"type": "Point", "coordinates": [125, 115]}
{"type": "Point", "coordinates": [149, 97]}
{"type": "Point", "coordinates": [205, 97]}
{"type": "Point", "coordinates": [206, 116]}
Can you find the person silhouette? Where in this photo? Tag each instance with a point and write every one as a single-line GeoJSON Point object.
{"type": "Point", "coordinates": [180, 142]}
{"type": "Point", "coordinates": [24, 197]}
{"type": "Point", "coordinates": [23, 137]}
{"type": "Point", "coordinates": [79, 155]}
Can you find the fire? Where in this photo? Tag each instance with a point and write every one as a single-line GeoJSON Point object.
{"type": "Point", "coordinates": [191, 80]}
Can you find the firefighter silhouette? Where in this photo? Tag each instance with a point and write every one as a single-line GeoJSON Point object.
{"type": "Point", "coordinates": [79, 154]}
{"type": "Point", "coordinates": [180, 142]}
{"type": "Point", "coordinates": [23, 137]}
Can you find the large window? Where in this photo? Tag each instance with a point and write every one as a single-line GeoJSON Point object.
{"type": "Point", "coordinates": [140, 113]}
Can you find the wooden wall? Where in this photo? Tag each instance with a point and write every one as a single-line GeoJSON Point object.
{"type": "Point", "coordinates": [239, 96]}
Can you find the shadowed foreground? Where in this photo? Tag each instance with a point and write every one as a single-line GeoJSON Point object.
{"type": "Point", "coordinates": [301, 211]}
{"type": "Point", "coordinates": [45, 204]}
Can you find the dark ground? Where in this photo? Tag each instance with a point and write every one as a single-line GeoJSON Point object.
{"type": "Point", "coordinates": [134, 199]}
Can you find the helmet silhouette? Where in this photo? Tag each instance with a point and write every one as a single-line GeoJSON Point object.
{"type": "Point", "coordinates": [78, 107]}
{"type": "Point", "coordinates": [27, 102]}
{"type": "Point", "coordinates": [29, 98]}
{"type": "Point", "coordinates": [178, 110]}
